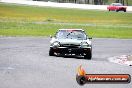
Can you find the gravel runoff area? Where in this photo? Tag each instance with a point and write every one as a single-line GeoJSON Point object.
{"type": "Point", "coordinates": [123, 59]}
{"type": "Point", "coordinates": [62, 5]}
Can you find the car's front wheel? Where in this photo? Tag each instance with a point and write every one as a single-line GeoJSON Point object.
{"type": "Point", "coordinates": [88, 55]}
{"type": "Point", "coordinates": [117, 10]}
{"type": "Point", "coordinates": [124, 10]}
{"type": "Point", "coordinates": [51, 52]}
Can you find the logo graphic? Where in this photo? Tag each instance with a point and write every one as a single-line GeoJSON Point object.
{"type": "Point", "coordinates": [83, 78]}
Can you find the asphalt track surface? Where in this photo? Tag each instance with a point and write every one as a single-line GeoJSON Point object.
{"type": "Point", "coordinates": [25, 63]}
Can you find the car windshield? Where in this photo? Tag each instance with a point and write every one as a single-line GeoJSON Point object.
{"type": "Point", "coordinates": [71, 34]}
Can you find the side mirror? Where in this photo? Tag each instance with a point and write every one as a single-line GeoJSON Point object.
{"type": "Point", "coordinates": [50, 36]}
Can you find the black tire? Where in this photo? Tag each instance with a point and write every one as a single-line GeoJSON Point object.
{"type": "Point", "coordinates": [88, 55]}
{"type": "Point", "coordinates": [51, 52]}
{"type": "Point", "coordinates": [109, 9]}
{"type": "Point", "coordinates": [81, 80]}
{"type": "Point", "coordinates": [117, 10]}
{"type": "Point", "coordinates": [124, 10]}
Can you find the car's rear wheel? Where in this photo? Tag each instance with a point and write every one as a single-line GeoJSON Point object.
{"type": "Point", "coordinates": [124, 10]}
{"type": "Point", "coordinates": [88, 55]}
{"type": "Point", "coordinates": [51, 52]}
{"type": "Point", "coordinates": [109, 9]}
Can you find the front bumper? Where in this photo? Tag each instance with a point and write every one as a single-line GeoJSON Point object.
{"type": "Point", "coordinates": [65, 50]}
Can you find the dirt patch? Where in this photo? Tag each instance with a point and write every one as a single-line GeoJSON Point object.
{"type": "Point", "coordinates": [129, 58]}
{"type": "Point", "coordinates": [123, 60]}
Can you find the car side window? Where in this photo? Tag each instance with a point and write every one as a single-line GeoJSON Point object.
{"type": "Point", "coordinates": [59, 34]}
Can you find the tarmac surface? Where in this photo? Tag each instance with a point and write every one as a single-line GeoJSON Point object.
{"type": "Point", "coordinates": [25, 63]}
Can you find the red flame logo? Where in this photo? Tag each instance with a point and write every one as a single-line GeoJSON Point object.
{"type": "Point", "coordinates": [81, 71]}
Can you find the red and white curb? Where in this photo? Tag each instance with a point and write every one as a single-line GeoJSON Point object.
{"type": "Point", "coordinates": [123, 60]}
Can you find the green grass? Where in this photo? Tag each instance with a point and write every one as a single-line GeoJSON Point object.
{"type": "Point", "coordinates": [130, 2]}
{"type": "Point", "coordinates": [16, 20]}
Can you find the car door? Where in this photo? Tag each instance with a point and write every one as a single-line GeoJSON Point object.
{"type": "Point", "coordinates": [113, 7]}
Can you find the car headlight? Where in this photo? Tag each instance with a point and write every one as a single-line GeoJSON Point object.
{"type": "Point", "coordinates": [84, 44]}
{"type": "Point", "coordinates": [55, 44]}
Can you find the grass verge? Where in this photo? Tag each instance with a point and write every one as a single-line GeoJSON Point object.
{"type": "Point", "coordinates": [21, 20]}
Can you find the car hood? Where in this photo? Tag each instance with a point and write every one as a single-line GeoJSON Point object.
{"type": "Point", "coordinates": [70, 41]}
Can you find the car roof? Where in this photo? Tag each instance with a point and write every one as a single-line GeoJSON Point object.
{"type": "Point", "coordinates": [72, 29]}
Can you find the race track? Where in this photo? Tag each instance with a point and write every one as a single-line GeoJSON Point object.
{"type": "Point", "coordinates": [24, 63]}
